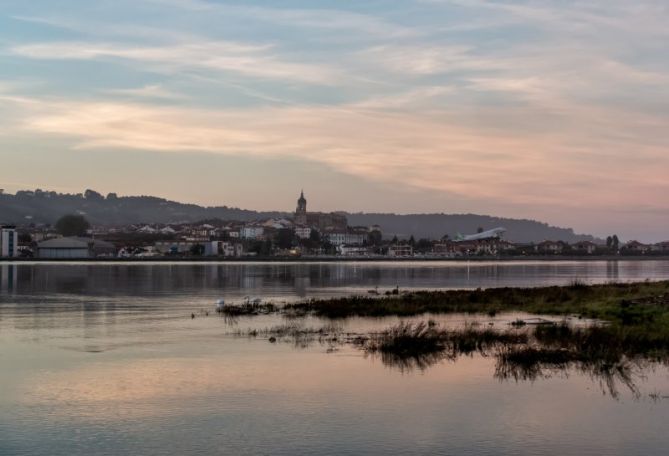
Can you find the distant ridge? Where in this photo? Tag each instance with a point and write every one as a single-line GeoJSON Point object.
{"type": "Point", "coordinates": [437, 225]}
{"type": "Point", "coordinates": [46, 207]}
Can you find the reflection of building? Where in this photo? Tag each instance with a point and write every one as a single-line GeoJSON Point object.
{"type": "Point", "coordinates": [320, 220]}
{"type": "Point", "coordinates": [9, 242]}
{"type": "Point", "coordinates": [8, 277]}
{"type": "Point", "coordinates": [75, 247]}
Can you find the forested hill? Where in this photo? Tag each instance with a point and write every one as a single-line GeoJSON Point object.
{"type": "Point", "coordinates": [46, 207]}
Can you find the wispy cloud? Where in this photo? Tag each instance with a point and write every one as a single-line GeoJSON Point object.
{"type": "Point", "coordinates": [423, 151]}
{"type": "Point", "coordinates": [221, 56]}
{"type": "Point", "coordinates": [148, 91]}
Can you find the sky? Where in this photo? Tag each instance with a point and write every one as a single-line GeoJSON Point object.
{"type": "Point", "coordinates": [549, 110]}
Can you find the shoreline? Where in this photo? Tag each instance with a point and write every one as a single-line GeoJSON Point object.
{"type": "Point", "coordinates": [478, 259]}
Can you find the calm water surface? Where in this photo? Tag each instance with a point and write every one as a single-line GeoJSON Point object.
{"type": "Point", "coordinates": [106, 359]}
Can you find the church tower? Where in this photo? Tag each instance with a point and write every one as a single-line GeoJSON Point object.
{"type": "Point", "coordinates": [301, 211]}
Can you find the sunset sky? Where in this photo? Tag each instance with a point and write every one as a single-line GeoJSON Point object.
{"type": "Point", "coordinates": [551, 110]}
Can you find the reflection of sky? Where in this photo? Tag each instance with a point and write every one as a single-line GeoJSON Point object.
{"type": "Point", "coordinates": [533, 109]}
{"type": "Point", "coordinates": [254, 397]}
{"type": "Point", "coordinates": [106, 359]}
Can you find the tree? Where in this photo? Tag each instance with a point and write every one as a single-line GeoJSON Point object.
{"type": "Point", "coordinates": [609, 241]}
{"type": "Point", "coordinates": [25, 238]}
{"type": "Point", "coordinates": [375, 237]}
{"type": "Point", "coordinates": [424, 245]}
{"type": "Point", "coordinates": [616, 242]}
{"type": "Point", "coordinates": [315, 236]}
{"type": "Point", "coordinates": [93, 195]}
{"type": "Point", "coordinates": [197, 250]}
{"type": "Point", "coordinates": [480, 229]}
{"type": "Point", "coordinates": [72, 225]}
{"type": "Point", "coordinates": [412, 241]}
{"type": "Point", "coordinates": [285, 238]}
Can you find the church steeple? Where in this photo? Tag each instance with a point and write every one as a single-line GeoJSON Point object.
{"type": "Point", "coordinates": [301, 204]}
{"type": "Point", "coordinates": [301, 211]}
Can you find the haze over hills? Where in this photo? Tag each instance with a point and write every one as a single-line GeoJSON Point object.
{"type": "Point", "coordinates": [45, 207]}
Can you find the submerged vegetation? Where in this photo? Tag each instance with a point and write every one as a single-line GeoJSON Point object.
{"type": "Point", "coordinates": [630, 329]}
{"type": "Point", "coordinates": [520, 354]}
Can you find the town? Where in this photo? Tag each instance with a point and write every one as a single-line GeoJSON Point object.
{"type": "Point", "coordinates": [304, 235]}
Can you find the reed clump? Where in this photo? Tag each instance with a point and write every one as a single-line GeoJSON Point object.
{"type": "Point", "coordinates": [611, 353]}
{"type": "Point", "coordinates": [249, 308]}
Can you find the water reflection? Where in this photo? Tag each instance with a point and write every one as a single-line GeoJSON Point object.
{"type": "Point", "coordinates": [8, 278]}
{"type": "Point", "coordinates": [304, 279]}
{"type": "Point", "coordinates": [520, 354]}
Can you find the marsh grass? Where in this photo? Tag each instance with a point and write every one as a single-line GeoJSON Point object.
{"type": "Point", "coordinates": [249, 309]}
{"type": "Point", "coordinates": [606, 353]}
{"type": "Point", "coordinates": [624, 302]}
{"type": "Point", "coordinates": [299, 335]}
{"type": "Point", "coordinates": [409, 345]}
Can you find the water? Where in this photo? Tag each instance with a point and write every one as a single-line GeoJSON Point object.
{"type": "Point", "coordinates": [106, 359]}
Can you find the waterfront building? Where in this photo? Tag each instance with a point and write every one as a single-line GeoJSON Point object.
{"type": "Point", "coordinates": [9, 241]}
{"type": "Point", "coordinates": [400, 250]}
{"type": "Point", "coordinates": [346, 237]}
{"type": "Point", "coordinates": [551, 247]}
{"type": "Point", "coordinates": [74, 248]}
{"type": "Point", "coordinates": [352, 250]}
{"type": "Point", "coordinates": [586, 247]}
{"type": "Point", "coordinates": [636, 247]}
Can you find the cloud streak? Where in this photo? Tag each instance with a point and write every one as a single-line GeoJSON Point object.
{"type": "Point", "coordinates": [424, 151]}
{"type": "Point", "coordinates": [220, 56]}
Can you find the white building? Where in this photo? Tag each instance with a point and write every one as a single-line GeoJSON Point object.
{"type": "Point", "coordinates": [352, 250]}
{"type": "Point", "coordinates": [303, 232]}
{"type": "Point", "coordinates": [346, 237]}
{"type": "Point", "coordinates": [9, 242]}
{"type": "Point", "coordinates": [222, 248]}
{"type": "Point", "coordinates": [252, 232]}
{"type": "Point", "coordinates": [231, 249]}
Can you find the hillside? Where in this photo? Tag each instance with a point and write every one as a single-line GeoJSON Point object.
{"type": "Point", "coordinates": [437, 225]}
{"type": "Point", "coordinates": [43, 207]}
